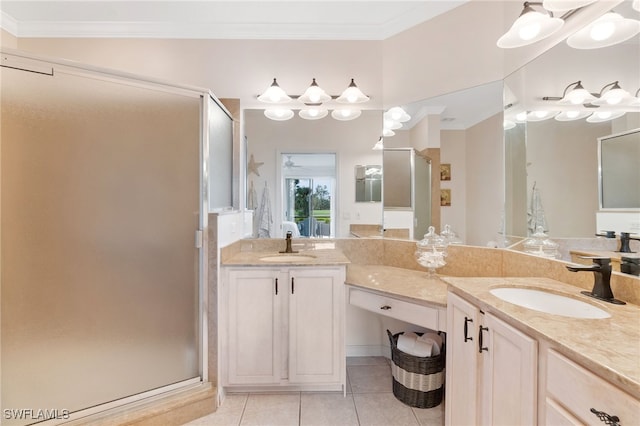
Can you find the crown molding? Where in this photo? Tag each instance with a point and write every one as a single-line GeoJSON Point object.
{"type": "Point", "coordinates": [8, 24]}
{"type": "Point", "coordinates": [193, 23]}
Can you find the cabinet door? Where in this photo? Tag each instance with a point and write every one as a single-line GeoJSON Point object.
{"type": "Point", "coordinates": [462, 362]}
{"type": "Point", "coordinates": [254, 319]}
{"type": "Point", "coordinates": [316, 305]}
{"type": "Point", "coordinates": [509, 374]}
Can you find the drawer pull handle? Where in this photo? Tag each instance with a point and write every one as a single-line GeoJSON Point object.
{"type": "Point", "coordinates": [480, 344]}
{"type": "Point", "coordinates": [385, 307]}
{"type": "Point", "coordinates": [293, 286]}
{"type": "Point", "coordinates": [606, 418]}
{"type": "Point", "coordinates": [276, 286]}
{"type": "Point", "coordinates": [466, 329]}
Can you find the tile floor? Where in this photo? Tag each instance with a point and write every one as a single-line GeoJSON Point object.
{"type": "Point", "coordinates": [369, 401]}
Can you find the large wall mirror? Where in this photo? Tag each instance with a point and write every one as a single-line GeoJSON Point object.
{"type": "Point", "coordinates": [284, 155]}
{"type": "Point", "coordinates": [557, 154]}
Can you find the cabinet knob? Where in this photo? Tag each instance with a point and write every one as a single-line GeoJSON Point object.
{"type": "Point", "coordinates": [606, 418]}
{"type": "Point", "coordinates": [385, 307]}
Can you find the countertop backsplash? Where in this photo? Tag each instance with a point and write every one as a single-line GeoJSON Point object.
{"type": "Point", "coordinates": [462, 261]}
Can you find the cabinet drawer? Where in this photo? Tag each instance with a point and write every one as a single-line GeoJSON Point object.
{"type": "Point", "coordinates": [578, 390]}
{"type": "Point", "coordinates": [395, 308]}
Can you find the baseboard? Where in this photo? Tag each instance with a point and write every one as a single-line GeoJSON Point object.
{"type": "Point", "coordinates": [367, 350]}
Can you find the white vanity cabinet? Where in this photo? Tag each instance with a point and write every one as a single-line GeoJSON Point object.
{"type": "Point", "coordinates": [576, 396]}
{"type": "Point", "coordinates": [491, 374]}
{"type": "Point", "coordinates": [285, 326]}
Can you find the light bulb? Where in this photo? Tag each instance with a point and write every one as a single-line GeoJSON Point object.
{"type": "Point", "coordinates": [528, 32]}
{"type": "Point", "coordinates": [602, 31]}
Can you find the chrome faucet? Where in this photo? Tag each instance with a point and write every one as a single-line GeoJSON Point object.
{"type": "Point", "coordinates": [601, 269]}
{"type": "Point", "coordinates": [288, 241]}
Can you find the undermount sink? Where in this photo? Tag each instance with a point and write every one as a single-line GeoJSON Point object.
{"type": "Point", "coordinates": [550, 303]}
{"type": "Point", "coordinates": [287, 258]}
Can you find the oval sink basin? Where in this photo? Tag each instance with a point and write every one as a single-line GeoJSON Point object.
{"type": "Point", "coordinates": [287, 258]}
{"type": "Point", "coordinates": [550, 303]}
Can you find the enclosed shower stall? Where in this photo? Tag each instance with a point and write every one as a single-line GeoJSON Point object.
{"type": "Point", "coordinates": [104, 198]}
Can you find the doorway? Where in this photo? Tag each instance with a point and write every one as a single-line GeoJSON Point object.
{"type": "Point", "coordinates": [308, 187]}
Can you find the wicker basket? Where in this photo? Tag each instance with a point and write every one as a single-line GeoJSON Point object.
{"type": "Point", "coordinates": [417, 381]}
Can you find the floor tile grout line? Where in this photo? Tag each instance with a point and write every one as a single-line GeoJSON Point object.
{"type": "Point", "coordinates": [355, 408]}
{"type": "Point", "coordinates": [244, 407]}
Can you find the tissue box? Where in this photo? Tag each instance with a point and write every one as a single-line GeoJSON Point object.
{"type": "Point", "coordinates": [417, 381]}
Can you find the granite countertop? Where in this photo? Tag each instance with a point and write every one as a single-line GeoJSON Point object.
{"type": "Point", "coordinates": [414, 285]}
{"type": "Point", "coordinates": [609, 347]}
{"type": "Point", "coordinates": [318, 257]}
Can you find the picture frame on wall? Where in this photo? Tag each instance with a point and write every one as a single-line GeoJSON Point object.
{"type": "Point", "coordinates": [445, 171]}
{"type": "Point", "coordinates": [445, 197]}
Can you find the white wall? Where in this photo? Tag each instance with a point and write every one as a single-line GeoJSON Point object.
{"type": "Point", "coordinates": [352, 140]}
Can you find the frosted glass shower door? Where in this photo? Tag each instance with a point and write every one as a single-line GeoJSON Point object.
{"type": "Point", "coordinates": [100, 203]}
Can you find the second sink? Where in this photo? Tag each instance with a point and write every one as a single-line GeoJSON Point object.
{"type": "Point", "coordinates": [550, 303]}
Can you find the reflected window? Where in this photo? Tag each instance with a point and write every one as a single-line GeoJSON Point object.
{"type": "Point", "coordinates": [308, 182]}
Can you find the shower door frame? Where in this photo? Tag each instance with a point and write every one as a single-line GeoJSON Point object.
{"type": "Point", "coordinates": [17, 59]}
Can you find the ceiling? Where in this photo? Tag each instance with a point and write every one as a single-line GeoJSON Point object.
{"type": "Point", "coordinates": [219, 19]}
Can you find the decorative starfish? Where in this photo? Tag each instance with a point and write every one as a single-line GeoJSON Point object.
{"type": "Point", "coordinates": [253, 166]}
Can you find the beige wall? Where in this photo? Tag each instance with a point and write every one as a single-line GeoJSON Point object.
{"type": "Point", "coordinates": [562, 158]}
{"type": "Point", "coordinates": [453, 51]}
{"type": "Point", "coordinates": [453, 151]}
{"type": "Point", "coordinates": [232, 68]}
{"type": "Point", "coordinates": [484, 181]}
{"type": "Point", "coordinates": [8, 40]}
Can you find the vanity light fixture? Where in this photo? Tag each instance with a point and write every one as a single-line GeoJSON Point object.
{"type": "Point", "coordinates": [397, 114]}
{"type": "Point", "coordinates": [572, 115]}
{"type": "Point", "coordinates": [352, 95]}
{"type": "Point", "coordinates": [531, 26]}
{"type": "Point", "coordinates": [274, 94]}
{"type": "Point", "coordinates": [609, 29]}
{"type": "Point", "coordinates": [391, 124]}
{"type": "Point", "coordinates": [540, 115]}
{"type": "Point", "coordinates": [278, 114]}
{"type": "Point", "coordinates": [312, 100]}
{"type": "Point", "coordinates": [614, 96]}
{"type": "Point", "coordinates": [379, 145]}
{"type": "Point", "coordinates": [565, 5]}
{"type": "Point", "coordinates": [393, 119]}
{"type": "Point", "coordinates": [314, 94]}
{"type": "Point", "coordinates": [576, 96]}
{"type": "Point", "coordinates": [508, 124]}
{"type": "Point", "coordinates": [600, 116]}
{"type": "Point", "coordinates": [313, 113]}
{"type": "Point", "coordinates": [345, 114]}
{"type": "Point", "coordinates": [635, 101]}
